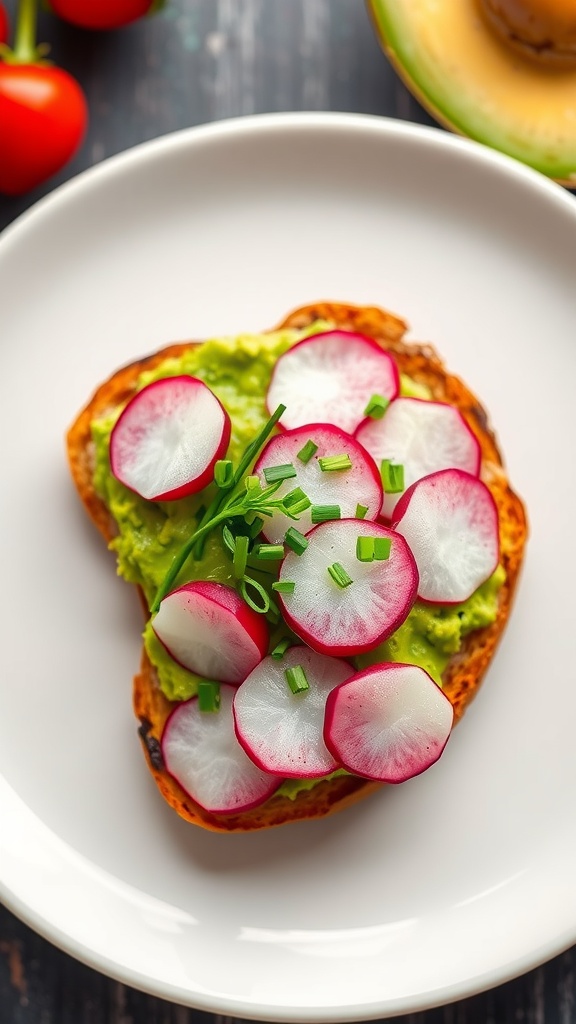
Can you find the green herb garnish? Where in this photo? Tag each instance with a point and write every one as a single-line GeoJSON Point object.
{"type": "Point", "coordinates": [249, 584]}
{"type": "Point", "coordinates": [230, 504]}
{"type": "Point", "coordinates": [223, 473]}
{"type": "Point", "coordinates": [376, 407]}
{"type": "Point", "coordinates": [365, 549]}
{"type": "Point", "coordinates": [269, 552]}
{"type": "Point", "coordinates": [339, 575]}
{"type": "Point", "coordinates": [306, 453]}
{"type": "Point", "coordinates": [382, 548]}
{"type": "Point", "coordinates": [284, 586]}
{"type": "Point", "coordinates": [240, 556]}
{"type": "Point", "coordinates": [274, 473]}
{"type": "Point", "coordinates": [296, 679]}
{"type": "Point", "coordinates": [295, 540]}
{"type": "Point", "coordinates": [280, 649]}
{"type": "Point", "coordinates": [329, 463]}
{"type": "Point", "coordinates": [252, 484]}
{"type": "Point", "coordinates": [255, 523]}
{"type": "Point", "coordinates": [392, 477]}
{"type": "Point", "coordinates": [296, 501]}
{"type": "Point", "coordinates": [323, 513]}
{"type": "Point", "coordinates": [208, 696]}
{"type": "Point", "coordinates": [373, 549]}
{"type": "Point", "coordinates": [361, 511]}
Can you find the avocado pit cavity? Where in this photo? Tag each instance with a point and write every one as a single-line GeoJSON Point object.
{"type": "Point", "coordinates": [542, 30]}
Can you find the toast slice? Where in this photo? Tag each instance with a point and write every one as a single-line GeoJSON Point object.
{"type": "Point", "coordinates": [465, 671]}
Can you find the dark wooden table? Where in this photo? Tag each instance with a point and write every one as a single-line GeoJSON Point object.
{"type": "Point", "coordinates": [198, 61]}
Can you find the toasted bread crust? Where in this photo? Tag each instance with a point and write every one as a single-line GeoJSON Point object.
{"type": "Point", "coordinates": [464, 672]}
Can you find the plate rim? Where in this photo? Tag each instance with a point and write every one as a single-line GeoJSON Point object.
{"type": "Point", "coordinates": [169, 146]}
{"type": "Point", "coordinates": [309, 120]}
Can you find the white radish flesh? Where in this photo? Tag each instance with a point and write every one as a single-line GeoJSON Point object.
{"type": "Point", "coordinates": [423, 437]}
{"type": "Point", "coordinates": [347, 620]}
{"type": "Point", "coordinates": [282, 731]}
{"type": "Point", "coordinates": [330, 378]}
{"type": "Point", "coordinates": [210, 630]}
{"type": "Point", "coordinates": [388, 723]}
{"type": "Point", "coordinates": [450, 521]}
{"type": "Point", "coordinates": [201, 751]}
{"type": "Point", "coordinates": [168, 438]}
{"type": "Point", "coordinates": [348, 488]}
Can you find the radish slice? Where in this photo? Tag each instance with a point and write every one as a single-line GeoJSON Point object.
{"type": "Point", "coordinates": [210, 630]}
{"type": "Point", "coordinates": [422, 436]}
{"type": "Point", "coordinates": [281, 731]}
{"type": "Point", "coordinates": [348, 488]}
{"type": "Point", "coordinates": [450, 521]}
{"type": "Point", "coordinates": [347, 620]}
{"type": "Point", "coordinates": [168, 438]}
{"type": "Point", "coordinates": [388, 723]}
{"type": "Point", "coordinates": [331, 378]}
{"type": "Point", "coordinates": [201, 752]}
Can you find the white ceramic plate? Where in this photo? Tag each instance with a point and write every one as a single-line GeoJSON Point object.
{"type": "Point", "coordinates": [428, 892]}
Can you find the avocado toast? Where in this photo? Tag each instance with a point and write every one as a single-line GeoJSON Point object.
{"type": "Point", "coordinates": [460, 664]}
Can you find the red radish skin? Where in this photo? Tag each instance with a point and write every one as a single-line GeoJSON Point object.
{"type": "Point", "coordinates": [168, 438]}
{"type": "Point", "coordinates": [207, 628]}
{"type": "Point", "coordinates": [450, 521]}
{"type": "Point", "coordinates": [201, 752]}
{"type": "Point", "coordinates": [424, 437]}
{"type": "Point", "coordinates": [388, 723]}
{"type": "Point", "coordinates": [282, 731]}
{"type": "Point", "coordinates": [330, 378]}
{"type": "Point", "coordinates": [343, 622]}
{"type": "Point", "coordinates": [360, 485]}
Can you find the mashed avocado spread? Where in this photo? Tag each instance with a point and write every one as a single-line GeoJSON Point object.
{"type": "Point", "coordinates": [238, 371]}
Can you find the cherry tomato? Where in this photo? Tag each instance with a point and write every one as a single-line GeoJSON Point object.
{"type": "Point", "coordinates": [43, 117]}
{"type": "Point", "coordinates": [101, 14]}
{"type": "Point", "coordinates": [3, 25]}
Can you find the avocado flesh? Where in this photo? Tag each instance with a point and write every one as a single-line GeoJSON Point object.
{"type": "Point", "coordinates": [475, 84]}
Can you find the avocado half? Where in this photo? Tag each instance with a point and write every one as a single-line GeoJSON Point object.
{"type": "Point", "coordinates": [473, 82]}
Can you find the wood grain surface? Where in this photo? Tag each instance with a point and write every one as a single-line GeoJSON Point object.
{"type": "Point", "coordinates": [199, 61]}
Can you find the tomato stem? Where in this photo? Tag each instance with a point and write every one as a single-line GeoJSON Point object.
{"type": "Point", "coordinates": [25, 50]}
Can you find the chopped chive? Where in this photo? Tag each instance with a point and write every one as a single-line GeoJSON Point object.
{"type": "Point", "coordinates": [328, 463]}
{"type": "Point", "coordinates": [295, 540]}
{"type": "Point", "coordinates": [272, 474]}
{"type": "Point", "coordinates": [306, 453]}
{"type": "Point", "coordinates": [294, 511]}
{"type": "Point", "coordinates": [223, 473]}
{"type": "Point", "coordinates": [269, 551]}
{"type": "Point", "coordinates": [339, 575]}
{"type": "Point", "coordinates": [208, 696]}
{"type": "Point", "coordinates": [377, 407]}
{"type": "Point", "coordinates": [296, 679]}
{"type": "Point", "coordinates": [373, 549]}
{"type": "Point", "coordinates": [284, 586]}
{"type": "Point", "coordinates": [296, 500]}
{"type": "Point", "coordinates": [252, 483]}
{"type": "Point", "coordinates": [382, 546]}
{"type": "Point", "coordinates": [256, 523]}
{"type": "Point", "coordinates": [228, 538]}
{"type": "Point", "coordinates": [240, 556]}
{"type": "Point", "coordinates": [273, 614]}
{"type": "Point", "coordinates": [281, 648]}
{"type": "Point", "coordinates": [213, 514]}
{"type": "Point", "coordinates": [361, 511]}
{"type": "Point", "coordinates": [245, 586]}
{"type": "Point", "coordinates": [392, 477]}
{"type": "Point", "coordinates": [322, 513]}
{"type": "Point", "coordinates": [365, 549]}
